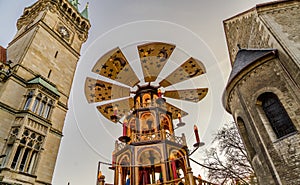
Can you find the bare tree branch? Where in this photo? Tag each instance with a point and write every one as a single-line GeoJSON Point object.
{"type": "Point", "coordinates": [228, 161]}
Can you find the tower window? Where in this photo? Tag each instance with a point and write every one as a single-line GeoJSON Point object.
{"type": "Point", "coordinates": [25, 156]}
{"type": "Point", "coordinates": [36, 102]}
{"type": "Point", "coordinates": [16, 157]}
{"type": "Point", "coordinates": [7, 153]}
{"type": "Point", "coordinates": [48, 108]}
{"type": "Point", "coordinates": [24, 159]}
{"type": "Point", "coordinates": [42, 105]}
{"type": "Point", "coordinates": [279, 119]}
{"type": "Point", "coordinates": [28, 100]}
{"type": "Point", "coordinates": [31, 162]}
{"type": "Point", "coordinates": [245, 135]}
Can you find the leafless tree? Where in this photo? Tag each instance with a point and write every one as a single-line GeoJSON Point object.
{"type": "Point", "coordinates": [227, 160]}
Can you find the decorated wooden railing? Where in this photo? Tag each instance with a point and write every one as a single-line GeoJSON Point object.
{"type": "Point", "coordinates": [153, 136]}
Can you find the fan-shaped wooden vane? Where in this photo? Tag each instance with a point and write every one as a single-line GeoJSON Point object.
{"type": "Point", "coordinates": [193, 95]}
{"type": "Point", "coordinates": [116, 110]}
{"type": "Point", "coordinates": [97, 90]}
{"type": "Point", "coordinates": [189, 69]}
{"type": "Point", "coordinates": [175, 111]}
{"type": "Point", "coordinates": [114, 65]}
{"type": "Point", "coordinates": [153, 57]}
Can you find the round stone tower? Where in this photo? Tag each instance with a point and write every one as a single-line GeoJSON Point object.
{"type": "Point", "coordinates": [262, 92]}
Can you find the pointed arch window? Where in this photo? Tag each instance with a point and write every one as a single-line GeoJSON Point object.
{"type": "Point", "coordinates": [42, 105]}
{"type": "Point", "coordinates": [24, 159]}
{"type": "Point", "coordinates": [36, 102]}
{"type": "Point", "coordinates": [48, 109]}
{"type": "Point", "coordinates": [27, 150]}
{"type": "Point", "coordinates": [28, 100]}
{"type": "Point", "coordinates": [245, 135]}
{"type": "Point", "coordinates": [16, 157]}
{"type": "Point", "coordinates": [279, 119]}
{"type": "Point", "coordinates": [10, 141]}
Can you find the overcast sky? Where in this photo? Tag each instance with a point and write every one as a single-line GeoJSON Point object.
{"type": "Point", "coordinates": [195, 27]}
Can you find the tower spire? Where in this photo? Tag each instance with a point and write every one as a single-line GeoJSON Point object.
{"type": "Point", "coordinates": [84, 12]}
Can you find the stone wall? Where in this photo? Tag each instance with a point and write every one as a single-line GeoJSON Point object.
{"type": "Point", "coordinates": [271, 25]}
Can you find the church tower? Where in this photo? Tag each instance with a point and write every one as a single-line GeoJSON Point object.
{"type": "Point", "coordinates": [35, 83]}
{"type": "Point", "coordinates": [262, 92]}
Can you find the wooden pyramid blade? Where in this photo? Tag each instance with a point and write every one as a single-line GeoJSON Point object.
{"type": "Point", "coordinates": [189, 69]}
{"type": "Point", "coordinates": [153, 57]}
{"type": "Point", "coordinates": [116, 110]}
{"type": "Point", "coordinates": [97, 90]}
{"type": "Point", "coordinates": [115, 66]}
{"type": "Point", "coordinates": [193, 95]}
{"type": "Point", "coordinates": [175, 110]}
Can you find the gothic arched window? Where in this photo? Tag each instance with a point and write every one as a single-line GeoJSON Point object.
{"type": "Point", "coordinates": [48, 109]}
{"type": "Point", "coordinates": [24, 159]}
{"type": "Point", "coordinates": [279, 119]}
{"type": "Point", "coordinates": [36, 102]}
{"type": "Point", "coordinates": [28, 100]}
{"type": "Point", "coordinates": [42, 105]}
{"type": "Point", "coordinates": [246, 137]}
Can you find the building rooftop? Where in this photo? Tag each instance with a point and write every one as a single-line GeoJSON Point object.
{"type": "Point", "coordinates": [246, 57]}
{"type": "Point", "coordinates": [39, 80]}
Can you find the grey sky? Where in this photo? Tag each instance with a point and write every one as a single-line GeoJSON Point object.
{"type": "Point", "coordinates": [195, 27]}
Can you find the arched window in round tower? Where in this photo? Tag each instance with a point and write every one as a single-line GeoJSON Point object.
{"type": "Point", "coordinates": [276, 114]}
{"type": "Point", "coordinates": [246, 137]}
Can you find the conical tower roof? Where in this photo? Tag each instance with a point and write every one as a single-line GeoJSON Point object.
{"type": "Point", "coordinates": [84, 12]}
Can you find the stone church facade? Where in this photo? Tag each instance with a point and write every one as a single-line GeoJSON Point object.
{"type": "Point", "coordinates": [262, 92]}
{"type": "Point", "coordinates": [36, 73]}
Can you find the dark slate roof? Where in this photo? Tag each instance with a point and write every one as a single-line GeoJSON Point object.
{"type": "Point", "coordinates": [246, 57]}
